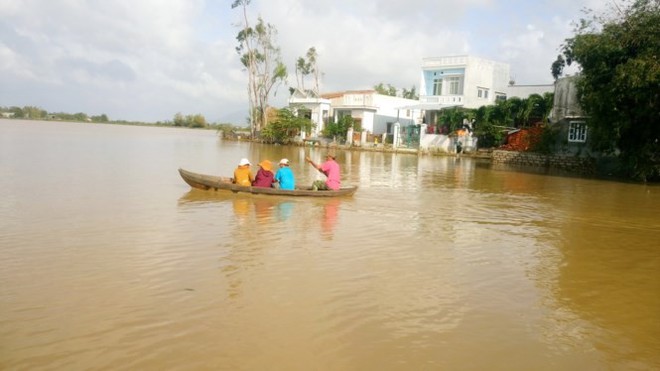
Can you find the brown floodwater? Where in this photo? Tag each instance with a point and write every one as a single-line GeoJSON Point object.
{"type": "Point", "coordinates": [108, 260]}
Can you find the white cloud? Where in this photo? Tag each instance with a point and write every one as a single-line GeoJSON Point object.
{"type": "Point", "coordinates": [149, 59]}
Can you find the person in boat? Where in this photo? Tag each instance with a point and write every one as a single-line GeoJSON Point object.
{"type": "Point", "coordinates": [264, 177]}
{"type": "Point", "coordinates": [243, 175]}
{"type": "Point", "coordinates": [330, 168]}
{"type": "Point", "coordinates": [284, 177]}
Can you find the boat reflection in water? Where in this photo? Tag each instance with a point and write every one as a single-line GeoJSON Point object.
{"type": "Point", "coordinates": [255, 226]}
{"type": "Point", "coordinates": [269, 210]}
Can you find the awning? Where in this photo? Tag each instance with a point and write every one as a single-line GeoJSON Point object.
{"type": "Point", "coordinates": [429, 106]}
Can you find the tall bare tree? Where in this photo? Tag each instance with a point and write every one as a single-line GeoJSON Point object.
{"type": "Point", "coordinates": [302, 70]}
{"type": "Point", "coordinates": [306, 66]}
{"type": "Point", "coordinates": [262, 60]}
{"type": "Point", "coordinates": [313, 67]}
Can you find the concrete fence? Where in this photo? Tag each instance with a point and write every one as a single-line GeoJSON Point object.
{"type": "Point", "coordinates": [575, 164]}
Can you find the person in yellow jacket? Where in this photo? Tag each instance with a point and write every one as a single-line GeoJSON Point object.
{"type": "Point", "coordinates": [243, 175]}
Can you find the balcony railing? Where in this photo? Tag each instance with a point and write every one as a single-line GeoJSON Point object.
{"type": "Point", "coordinates": [442, 99]}
{"type": "Point", "coordinates": [360, 100]}
{"type": "Point", "coordinates": [445, 61]}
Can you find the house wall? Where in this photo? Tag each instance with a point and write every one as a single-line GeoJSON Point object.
{"type": "Point", "coordinates": [389, 111]}
{"type": "Point", "coordinates": [524, 91]}
{"type": "Point", "coordinates": [317, 109]}
{"type": "Point", "coordinates": [310, 101]}
{"type": "Point", "coordinates": [475, 73]}
{"type": "Point", "coordinates": [562, 144]}
{"type": "Point", "coordinates": [485, 75]}
{"type": "Point", "coordinates": [381, 122]}
{"type": "Point", "coordinates": [566, 109]}
{"type": "Point", "coordinates": [373, 109]}
{"type": "Point", "coordinates": [565, 102]}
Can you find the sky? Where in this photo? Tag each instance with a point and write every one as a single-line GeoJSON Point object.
{"type": "Point", "coordinates": [146, 60]}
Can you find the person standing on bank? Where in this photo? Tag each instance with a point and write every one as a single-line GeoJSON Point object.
{"type": "Point", "coordinates": [330, 168]}
{"type": "Point", "coordinates": [284, 176]}
{"type": "Point", "coordinates": [264, 176]}
{"type": "Point", "coordinates": [243, 174]}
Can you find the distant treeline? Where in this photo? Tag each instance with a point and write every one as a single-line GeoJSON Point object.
{"type": "Point", "coordinates": [180, 120]}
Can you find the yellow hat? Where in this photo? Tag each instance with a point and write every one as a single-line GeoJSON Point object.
{"type": "Point", "coordinates": [266, 165]}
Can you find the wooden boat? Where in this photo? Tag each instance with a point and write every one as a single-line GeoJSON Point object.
{"type": "Point", "coordinates": [217, 183]}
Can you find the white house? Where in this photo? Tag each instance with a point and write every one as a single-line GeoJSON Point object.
{"type": "Point", "coordinates": [469, 82]}
{"type": "Point", "coordinates": [310, 105]}
{"type": "Point", "coordinates": [449, 81]}
{"type": "Point", "coordinates": [373, 112]}
{"type": "Point", "coordinates": [462, 80]}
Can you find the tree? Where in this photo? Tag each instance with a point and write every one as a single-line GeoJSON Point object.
{"type": "Point", "coordinates": [179, 120]}
{"type": "Point", "coordinates": [558, 66]}
{"type": "Point", "coordinates": [302, 70]}
{"type": "Point", "coordinates": [340, 128]}
{"type": "Point", "coordinates": [536, 108]}
{"type": "Point", "coordinates": [514, 109]}
{"type": "Point", "coordinates": [617, 86]}
{"type": "Point", "coordinates": [286, 126]}
{"type": "Point", "coordinates": [17, 111]}
{"type": "Point", "coordinates": [389, 90]}
{"type": "Point", "coordinates": [196, 121]}
{"type": "Point", "coordinates": [314, 67]}
{"type": "Point", "coordinates": [410, 94]}
{"type": "Point", "coordinates": [101, 118]}
{"type": "Point", "coordinates": [305, 67]}
{"type": "Point", "coordinates": [261, 57]}
{"type": "Point", "coordinates": [33, 112]}
{"type": "Point", "coordinates": [452, 117]}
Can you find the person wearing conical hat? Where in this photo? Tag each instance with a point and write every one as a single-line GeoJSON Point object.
{"type": "Point", "coordinates": [243, 175]}
{"type": "Point", "coordinates": [330, 168]}
{"type": "Point", "coordinates": [284, 176]}
{"type": "Point", "coordinates": [264, 176]}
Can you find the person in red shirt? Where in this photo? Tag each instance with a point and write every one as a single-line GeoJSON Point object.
{"type": "Point", "coordinates": [264, 176]}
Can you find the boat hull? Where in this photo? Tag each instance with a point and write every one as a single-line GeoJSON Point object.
{"type": "Point", "coordinates": [217, 183]}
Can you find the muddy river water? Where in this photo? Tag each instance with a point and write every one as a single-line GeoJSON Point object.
{"type": "Point", "coordinates": [108, 260]}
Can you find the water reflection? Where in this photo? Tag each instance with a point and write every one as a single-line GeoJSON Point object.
{"type": "Point", "coordinates": [256, 225]}
{"type": "Point", "coordinates": [241, 207]}
{"type": "Point", "coordinates": [285, 209]}
{"type": "Point", "coordinates": [268, 210]}
{"type": "Point", "coordinates": [330, 214]}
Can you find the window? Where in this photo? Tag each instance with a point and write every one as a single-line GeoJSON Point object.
{"type": "Point", "coordinates": [577, 131]}
{"type": "Point", "coordinates": [437, 86]}
{"type": "Point", "coordinates": [454, 85]}
{"type": "Point", "coordinates": [500, 97]}
{"type": "Point", "coordinates": [482, 93]}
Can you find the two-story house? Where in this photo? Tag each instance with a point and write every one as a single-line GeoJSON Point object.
{"type": "Point", "coordinates": [467, 81]}
{"type": "Point", "coordinates": [461, 80]}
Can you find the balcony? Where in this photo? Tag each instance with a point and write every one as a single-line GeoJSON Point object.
{"type": "Point", "coordinates": [442, 99]}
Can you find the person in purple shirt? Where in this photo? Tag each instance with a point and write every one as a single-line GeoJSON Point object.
{"type": "Point", "coordinates": [330, 168]}
{"type": "Point", "coordinates": [264, 177]}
